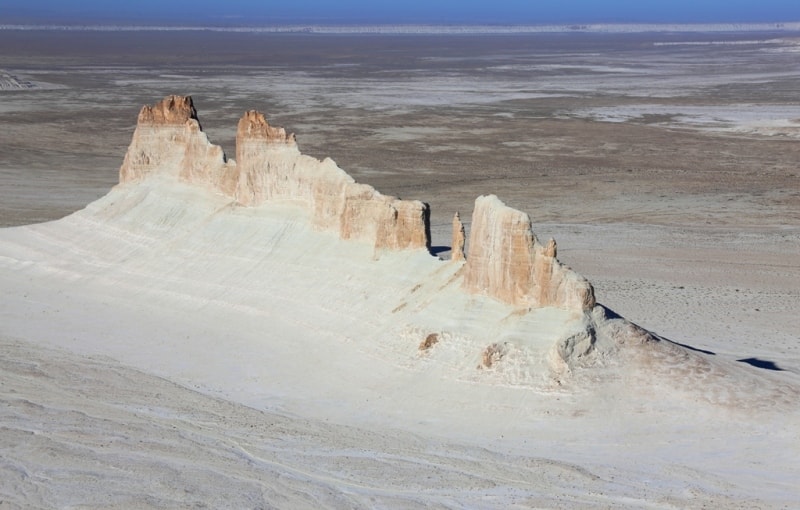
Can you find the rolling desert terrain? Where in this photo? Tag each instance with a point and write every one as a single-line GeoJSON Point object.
{"type": "Point", "coordinates": [164, 346]}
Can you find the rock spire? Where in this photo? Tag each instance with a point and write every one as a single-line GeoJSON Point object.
{"type": "Point", "coordinates": [459, 237]}
{"type": "Point", "coordinates": [507, 262]}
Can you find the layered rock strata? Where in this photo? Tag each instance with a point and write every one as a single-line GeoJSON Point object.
{"type": "Point", "coordinates": [507, 262]}
{"type": "Point", "coordinates": [268, 166]}
{"type": "Point", "coordinates": [168, 140]}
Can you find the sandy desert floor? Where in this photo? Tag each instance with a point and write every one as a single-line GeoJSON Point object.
{"type": "Point", "coordinates": [666, 171]}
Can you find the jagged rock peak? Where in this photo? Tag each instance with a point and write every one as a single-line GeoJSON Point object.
{"type": "Point", "coordinates": [506, 262]}
{"type": "Point", "coordinates": [168, 141]}
{"type": "Point", "coordinates": [253, 124]}
{"type": "Point", "coordinates": [459, 237]}
{"type": "Point", "coordinates": [172, 110]}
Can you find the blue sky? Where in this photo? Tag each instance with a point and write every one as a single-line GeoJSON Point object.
{"type": "Point", "coordinates": [405, 11]}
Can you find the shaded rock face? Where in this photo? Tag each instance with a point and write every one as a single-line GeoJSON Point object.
{"type": "Point", "coordinates": [507, 262]}
{"type": "Point", "coordinates": [169, 141]}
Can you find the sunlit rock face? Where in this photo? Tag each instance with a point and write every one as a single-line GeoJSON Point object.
{"type": "Point", "coordinates": [504, 262]}
{"type": "Point", "coordinates": [169, 141]}
{"type": "Point", "coordinates": [507, 262]}
{"type": "Point", "coordinates": [270, 166]}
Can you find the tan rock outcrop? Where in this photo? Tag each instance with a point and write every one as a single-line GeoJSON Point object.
{"type": "Point", "coordinates": [169, 141]}
{"type": "Point", "coordinates": [507, 262]}
{"type": "Point", "coordinates": [271, 167]}
{"type": "Point", "coordinates": [254, 126]}
{"type": "Point", "coordinates": [172, 110]}
{"type": "Point", "coordinates": [458, 240]}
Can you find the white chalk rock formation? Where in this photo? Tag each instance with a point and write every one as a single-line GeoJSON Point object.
{"type": "Point", "coordinates": [507, 262]}
{"type": "Point", "coordinates": [527, 318]}
{"type": "Point", "coordinates": [169, 140]}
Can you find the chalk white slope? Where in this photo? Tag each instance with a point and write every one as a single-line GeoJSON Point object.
{"type": "Point", "coordinates": [166, 346]}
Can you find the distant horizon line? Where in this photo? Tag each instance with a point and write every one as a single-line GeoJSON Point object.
{"type": "Point", "coordinates": [423, 28]}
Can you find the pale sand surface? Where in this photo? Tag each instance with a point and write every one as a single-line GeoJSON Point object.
{"type": "Point", "coordinates": [283, 400]}
{"type": "Point", "coordinates": [242, 304]}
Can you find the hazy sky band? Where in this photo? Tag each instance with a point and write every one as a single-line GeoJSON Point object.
{"type": "Point", "coordinates": [407, 11]}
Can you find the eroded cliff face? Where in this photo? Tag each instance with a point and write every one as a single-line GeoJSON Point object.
{"type": "Point", "coordinates": [169, 141]}
{"type": "Point", "coordinates": [458, 239]}
{"type": "Point", "coordinates": [270, 166]}
{"type": "Point", "coordinates": [507, 262]}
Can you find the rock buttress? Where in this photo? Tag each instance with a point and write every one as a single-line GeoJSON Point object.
{"type": "Point", "coordinates": [270, 166]}
{"type": "Point", "coordinates": [505, 261]}
{"type": "Point", "coordinates": [168, 140]}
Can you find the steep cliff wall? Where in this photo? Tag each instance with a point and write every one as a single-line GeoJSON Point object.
{"type": "Point", "coordinates": [507, 262]}
{"type": "Point", "coordinates": [169, 141]}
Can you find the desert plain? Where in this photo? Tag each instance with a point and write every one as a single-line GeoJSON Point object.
{"type": "Point", "coordinates": [664, 164]}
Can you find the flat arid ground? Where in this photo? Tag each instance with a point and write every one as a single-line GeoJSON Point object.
{"type": "Point", "coordinates": [665, 165]}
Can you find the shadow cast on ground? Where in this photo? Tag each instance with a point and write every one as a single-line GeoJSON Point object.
{"type": "Point", "coordinates": [436, 250]}
{"type": "Point", "coordinates": [761, 363]}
